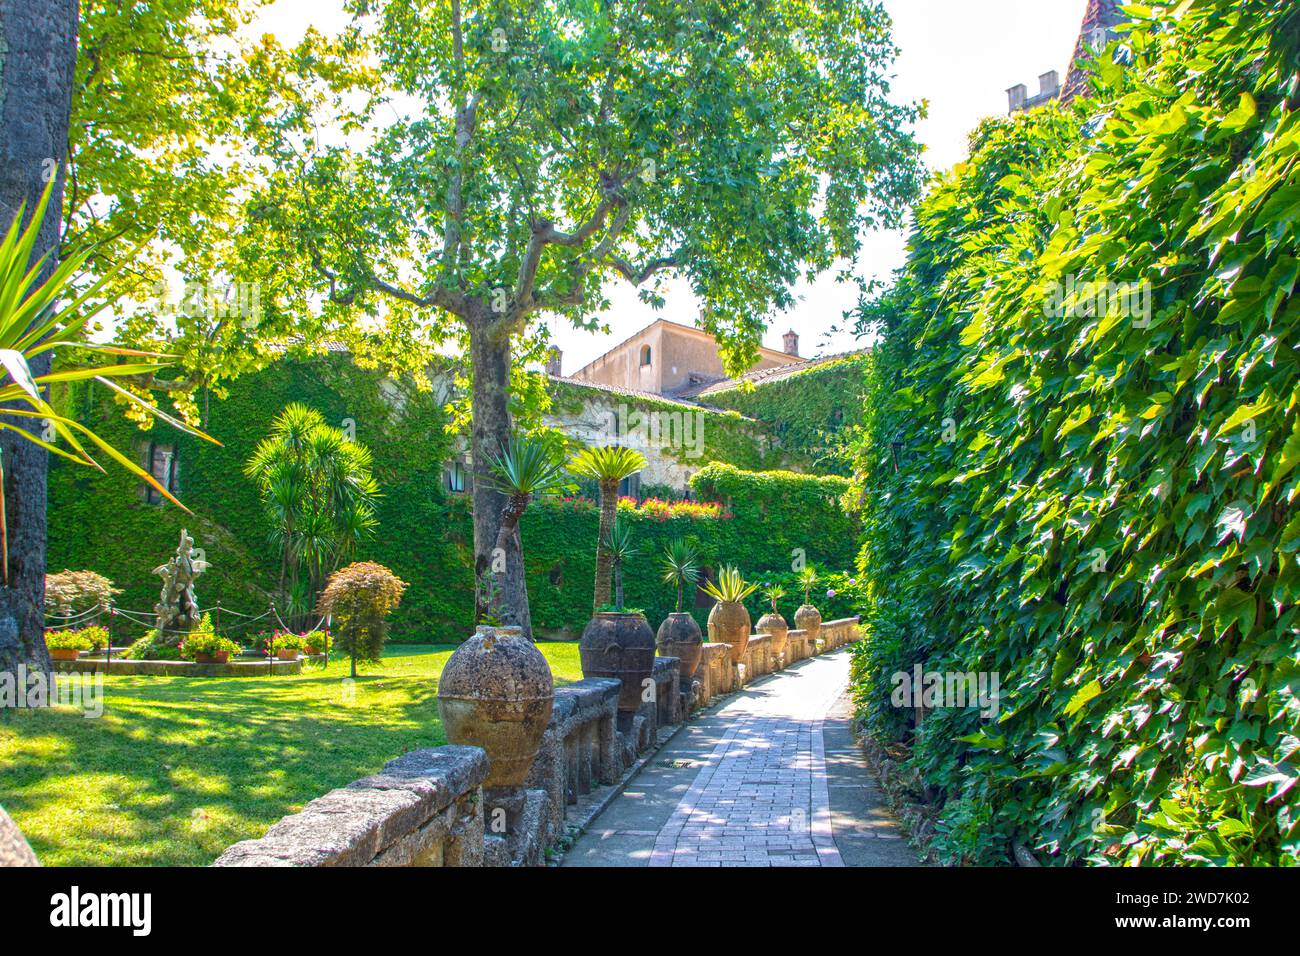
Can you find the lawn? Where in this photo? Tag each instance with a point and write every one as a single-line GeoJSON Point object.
{"type": "Point", "coordinates": [179, 768]}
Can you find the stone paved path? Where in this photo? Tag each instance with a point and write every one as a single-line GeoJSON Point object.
{"type": "Point", "coordinates": [748, 785]}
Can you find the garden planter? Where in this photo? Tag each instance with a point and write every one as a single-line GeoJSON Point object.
{"type": "Point", "coordinates": [809, 620]}
{"type": "Point", "coordinates": [729, 624]}
{"type": "Point", "coordinates": [619, 645]}
{"type": "Point", "coordinates": [775, 625]}
{"type": "Point", "coordinates": [286, 654]}
{"type": "Point", "coordinates": [496, 692]}
{"type": "Point", "coordinates": [679, 636]}
{"type": "Point", "coordinates": [221, 657]}
{"type": "Point", "coordinates": [312, 651]}
{"type": "Point", "coordinates": [64, 653]}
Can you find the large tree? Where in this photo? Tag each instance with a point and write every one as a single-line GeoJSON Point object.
{"type": "Point", "coordinates": [531, 151]}
{"type": "Point", "coordinates": [38, 51]}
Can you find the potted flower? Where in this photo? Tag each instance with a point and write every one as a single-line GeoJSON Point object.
{"type": "Point", "coordinates": [679, 635]}
{"type": "Point", "coordinates": [287, 645]}
{"type": "Point", "coordinates": [66, 645]}
{"type": "Point", "coordinates": [204, 647]}
{"type": "Point", "coordinates": [729, 621]}
{"type": "Point", "coordinates": [808, 619]}
{"type": "Point", "coordinates": [773, 623]}
{"type": "Point", "coordinates": [316, 642]}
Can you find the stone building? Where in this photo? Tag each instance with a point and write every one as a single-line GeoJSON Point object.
{"type": "Point", "coordinates": [1097, 30]}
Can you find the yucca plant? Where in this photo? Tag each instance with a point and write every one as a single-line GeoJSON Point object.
{"type": "Point", "coordinates": [607, 467]}
{"type": "Point", "coordinates": [32, 323]}
{"type": "Point", "coordinates": [807, 581]}
{"type": "Point", "coordinates": [730, 588]}
{"type": "Point", "coordinates": [681, 566]}
{"type": "Point", "coordinates": [774, 593]}
{"type": "Point", "coordinates": [620, 548]}
{"type": "Point", "coordinates": [525, 469]}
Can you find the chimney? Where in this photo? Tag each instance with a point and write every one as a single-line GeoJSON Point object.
{"type": "Point", "coordinates": [553, 361]}
{"type": "Point", "coordinates": [1016, 97]}
{"type": "Point", "coordinates": [1049, 84]}
{"type": "Point", "coordinates": [791, 340]}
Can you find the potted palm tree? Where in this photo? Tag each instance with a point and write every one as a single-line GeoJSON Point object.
{"type": "Point", "coordinates": [496, 691]}
{"type": "Point", "coordinates": [607, 467]}
{"type": "Point", "coordinates": [808, 619]}
{"type": "Point", "coordinates": [773, 623]}
{"type": "Point", "coordinates": [729, 621]}
{"type": "Point", "coordinates": [618, 641]}
{"type": "Point", "coordinates": [679, 635]}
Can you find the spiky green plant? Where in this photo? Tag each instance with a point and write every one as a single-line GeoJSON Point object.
{"type": "Point", "coordinates": [607, 467]}
{"type": "Point", "coordinates": [620, 548]}
{"type": "Point", "coordinates": [731, 587]}
{"type": "Point", "coordinates": [681, 566]}
{"type": "Point", "coordinates": [31, 323]}
{"type": "Point", "coordinates": [807, 581]}
{"type": "Point", "coordinates": [774, 593]}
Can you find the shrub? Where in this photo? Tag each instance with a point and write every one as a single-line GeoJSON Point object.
{"type": "Point", "coordinates": [72, 592]}
{"type": "Point", "coordinates": [208, 644]}
{"type": "Point", "coordinates": [318, 639]}
{"type": "Point", "coordinates": [358, 599]}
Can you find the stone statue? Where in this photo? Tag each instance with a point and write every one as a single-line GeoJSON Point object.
{"type": "Point", "coordinates": [178, 608]}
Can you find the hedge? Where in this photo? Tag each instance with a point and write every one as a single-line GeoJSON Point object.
{"type": "Point", "coordinates": [1098, 508]}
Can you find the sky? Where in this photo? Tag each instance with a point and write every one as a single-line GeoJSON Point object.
{"type": "Point", "coordinates": [959, 56]}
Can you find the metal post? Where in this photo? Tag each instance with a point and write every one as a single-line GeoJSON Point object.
{"type": "Point", "coordinates": [108, 646]}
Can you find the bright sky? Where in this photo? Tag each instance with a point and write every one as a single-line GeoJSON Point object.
{"type": "Point", "coordinates": [959, 55]}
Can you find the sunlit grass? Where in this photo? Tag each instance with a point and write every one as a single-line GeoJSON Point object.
{"type": "Point", "coordinates": [178, 768]}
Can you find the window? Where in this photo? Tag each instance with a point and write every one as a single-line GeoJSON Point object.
{"type": "Point", "coordinates": [645, 356]}
{"type": "Point", "coordinates": [453, 476]}
{"type": "Point", "coordinates": [160, 461]}
{"type": "Point", "coordinates": [630, 487]}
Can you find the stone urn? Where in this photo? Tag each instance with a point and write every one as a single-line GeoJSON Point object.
{"type": "Point", "coordinates": [679, 636]}
{"type": "Point", "coordinates": [729, 624]}
{"type": "Point", "coordinates": [774, 624]}
{"type": "Point", "coordinates": [621, 645]}
{"type": "Point", "coordinates": [496, 692]}
{"type": "Point", "coordinates": [809, 620]}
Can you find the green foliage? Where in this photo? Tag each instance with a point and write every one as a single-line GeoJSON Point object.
{"type": "Point", "coordinates": [68, 641]}
{"type": "Point", "coordinates": [73, 592]}
{"type": "Point", "coordinates": [811, 413]}
{"type": "Point", "coordinates": [358, 600]}
{"type": "Point", "coordinates": [152, 648]}
{"type": "Point", "coordinates": [204, 640]}
{"type": "Point", "coordinates": [1098, 508]}
{"type": "Point", "coordinates": [681, 566]}
{"type": "Point", "coordinates": [610, 463]}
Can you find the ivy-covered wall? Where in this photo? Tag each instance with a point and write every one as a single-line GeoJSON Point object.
{"type": "Point", "coordinates": [808, 413]}
{"type": "Point", "coordinates": [102, 523]}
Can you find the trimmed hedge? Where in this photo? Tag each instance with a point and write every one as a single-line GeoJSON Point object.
{"type": "Point", "coordinates": [1097, 508]}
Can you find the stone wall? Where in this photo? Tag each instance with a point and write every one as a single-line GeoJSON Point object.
{"type": "Point", "coordinates": [429, 808]}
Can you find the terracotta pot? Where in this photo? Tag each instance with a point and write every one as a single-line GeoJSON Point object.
{"type": "Point", "coordinates": [729, 624]}
{"type": "Point", "coordinates": [496, 692]}
{"type": "Point", "coordinates": [220, 657]}
{"type": "Point", "coordinates": [808, 619]}
{"type": "Point", "coordinates": [679, 636]}
{"type": "Point", "coordinates": [311, 651]}
{"type": "Point", "coordinates": [620, 645]}
{"type": "Point", "coordinates": [286, 654]}
{"type": "Point", "coordinates": [64, 653]}
{"type": "Point", "coordinates": [774, 624]}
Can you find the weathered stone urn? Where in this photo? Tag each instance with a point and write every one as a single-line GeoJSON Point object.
{"type": "Point", "coordinates": [679, 636]}
{"type": "Point", "coordinates": [775, 625]}
{"type": "Point", "coordinates": [621, 645]}
{"type": "Point", "coordinates": [729, 624]}
{"type": "Point", "coordinates": [496, 692]}
{"type": "Point", "coordinates": [809, 620]}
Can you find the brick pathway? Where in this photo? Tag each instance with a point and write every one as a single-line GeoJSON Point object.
{"type": "Point", "coordinates": [761, 799]}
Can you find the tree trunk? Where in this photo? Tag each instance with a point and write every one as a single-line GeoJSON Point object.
{"type": "Point", "coordinates": [618, 584]}
{"type": "Point", "coordinates": [490, 359]}
{"type": "Point", "coordinates": [605, 560]}
{"type": "Point", "coordinates": [38, 55]}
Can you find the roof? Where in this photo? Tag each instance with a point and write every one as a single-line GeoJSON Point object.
{"type": "Point", "coordinates": [765, 376]}
{"type": "Point", "coordinates": [770, 353]}
{"type": "Point", "coordinates": [636, 393]}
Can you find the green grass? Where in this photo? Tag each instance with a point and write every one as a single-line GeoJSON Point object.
{"type": "Point", "coordinates": [179, 768]}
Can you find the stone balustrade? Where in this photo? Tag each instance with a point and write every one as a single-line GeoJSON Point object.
{"type": "Point", "coordinates": [428, 808]}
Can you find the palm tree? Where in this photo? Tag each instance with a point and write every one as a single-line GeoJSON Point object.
{"type": "Point", "coordinates": [620, 548]}
{"type": "Point", "coordinates": [525, 468]}
{"type": "Point", "coordinates": [32, 324]}
{"type": "Point", "coordinates": [319, 494]}
{"type": "Point", "coordinates": [607, 466]}
{"type": "Point", "coordinates": [681, 566]}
